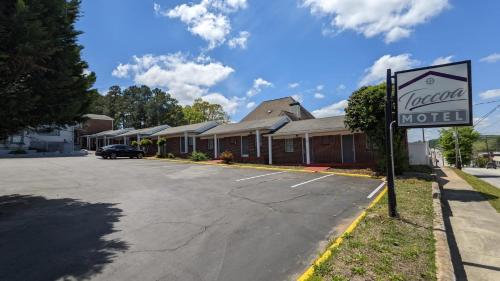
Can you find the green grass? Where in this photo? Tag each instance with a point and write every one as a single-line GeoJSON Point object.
{"type": "Point", "coordinates": [381, 248]}
{"type": "Point", "coordinates": [490, 191]}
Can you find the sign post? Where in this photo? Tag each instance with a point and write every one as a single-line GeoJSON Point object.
{"type": "Point", "coordinates": [388, 145]}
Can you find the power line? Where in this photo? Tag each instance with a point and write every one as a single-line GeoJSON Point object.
{"type": "Point", "coordinates": [486, 115]}
{"type": "Point", "coordinates": [487, 102]}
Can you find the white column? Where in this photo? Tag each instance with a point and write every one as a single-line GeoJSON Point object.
{"type": "Point", "coordinates": [216, 148]}
{"type": "Point", "coordinates": [308, 157]}
{"type": "Point", "coordinates": [186, 147]}
{"type": "Point", "coordinates": [104, 141]}
{"type": "Point", "coordinates": [124, 140]}
{"type": "Point", "coordinates": [257, 135]}
{"type": "Point", "coordinates": [88, 142]}
{"type": "Point", "coordinates": [194, 143]}
{"type": "Point", "coordinates": [270, 147]}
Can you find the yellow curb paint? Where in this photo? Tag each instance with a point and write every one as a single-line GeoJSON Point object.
{"type": "Point", "coordinates": [329, 251]}
{"type": "Point", "coordinates": [262, 167]}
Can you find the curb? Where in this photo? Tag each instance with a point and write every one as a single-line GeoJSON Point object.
{"type": "Point", "coordinates": [329, 251]}
{"type": "Point", "coordinates": [444, 265]}
{"type": "Point", "coordinates": [261, 167]}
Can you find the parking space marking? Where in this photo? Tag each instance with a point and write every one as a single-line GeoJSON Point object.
{"type": "Point", "coordinates": [254, 177]}
{"type": "Point", "coordinates": [306, 182]}
{"type": "Point", "coordinates": [375, 190]}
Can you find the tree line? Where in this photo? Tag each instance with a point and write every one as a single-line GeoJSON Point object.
{"type": "Point", "coordinates": [142, 107]}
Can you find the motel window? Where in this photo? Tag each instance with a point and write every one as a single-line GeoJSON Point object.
{"type": "Point", "coordinates": [190, 141]}
{"type": "Point", "coordinates": [244, 146]}
{"type": "Point", "coordinates": [234, 140]}
{"type": "Point", "coordinates": [288, 145]}
{"type": "Point", "coordinates": [183, 145]}
{"type": "Point", "coordinates": [210, 144]}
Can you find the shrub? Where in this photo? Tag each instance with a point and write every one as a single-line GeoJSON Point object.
{"type": "Point", "coordinates": [145, 142]}
{"type": "Point", "coordinates": [18, 151]}
{"type": "Point", "coordinates": [227, 157]}
{"type": "Point", "coordinates": [162, 141]}
{"type": "Point", "coordinates": [159, 155]}
{"type": "Point", "coordinates": [134, 143]}
{"type": "Point", "coordinates": [198, 156]}
{"type": "Point", "coordinates": [481, 162]}
{"type": "Point", "coordinates": [171, 156]}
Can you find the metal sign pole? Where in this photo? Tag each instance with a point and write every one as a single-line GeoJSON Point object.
{"type": "Point", "coordinates": [388, 145]}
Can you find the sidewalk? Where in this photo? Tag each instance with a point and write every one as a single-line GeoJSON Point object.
{"type": "Point", "coordinates": [473, 229]}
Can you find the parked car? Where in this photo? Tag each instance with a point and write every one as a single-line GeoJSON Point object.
{"type": "Point", "coordinates": [491, 165]}
{"type": "Point", "coordinates": [119, 150]}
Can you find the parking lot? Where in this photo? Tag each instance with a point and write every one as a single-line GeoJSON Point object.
{"type": "Point", "coordinates": [129, 219]}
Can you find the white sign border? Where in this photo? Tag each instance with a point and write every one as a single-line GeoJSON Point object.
{"type": "Point", "coordinates": [469, 84]}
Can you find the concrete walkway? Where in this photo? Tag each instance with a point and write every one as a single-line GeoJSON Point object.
{"type": "Point", "coordinates": [473, 227]}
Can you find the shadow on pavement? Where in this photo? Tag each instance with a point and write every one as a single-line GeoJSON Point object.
{"type": "Point", "coordinates": [468, 196]}
{"type": "Point", "coordinates": [49, 239]}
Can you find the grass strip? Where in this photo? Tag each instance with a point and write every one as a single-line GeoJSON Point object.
{"type": "Point", "coordinates": [491, 192]}
{"type": "Point", "coordinates": [382, 248]}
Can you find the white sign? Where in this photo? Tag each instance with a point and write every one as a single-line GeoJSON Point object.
{"type": "Point", "coordinates": [436, 96]}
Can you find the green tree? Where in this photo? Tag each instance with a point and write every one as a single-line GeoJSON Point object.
{"type": "Point", "coordinates": [135, 100]}
{"type": "Point", "coordinates": [114, 105]}
{"type": "Point", "coordinates": [202, 111]}
{"type": "Point", "coordinates": [162, 109]}
{"type": "Point", "coordinates": [366, 112]}
{"type": "Point", "coordinates": [466, 138]}
{"type": "Point", "coordinates": [42, 78]}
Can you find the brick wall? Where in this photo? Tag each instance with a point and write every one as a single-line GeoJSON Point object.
{"type": "Point", "coordinates": [282, 157]}
{"type": "Point", "coordinates": [326, 149]}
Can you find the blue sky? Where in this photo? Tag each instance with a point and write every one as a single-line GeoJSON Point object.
{"type": "Point", "coordinates": [241, 52]}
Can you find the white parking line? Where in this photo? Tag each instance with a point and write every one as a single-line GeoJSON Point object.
{"type": "Point", "coordinates": [299, 184]}
{"type": "Point", "coordinates": [376, 190]}
{"type": "Point", "coordinates": [244, 179]}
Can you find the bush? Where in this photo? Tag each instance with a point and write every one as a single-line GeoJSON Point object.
{"type": "Point", "coordinates": [162, 141]}
{"type": "Point", "coordinates": [227, 157]}
{"type": "Point", "coordinates": [18, 151]}
{"type": "Point", "coordinates": [198, 156]}
{"type": "Point", "coordinates": [134, 143]}
{"type": "Point", "coordinates": [145, 142]}
{"type": "Point", "coordinates": [481, 162]}
{"type": "Point", "coordinates": [171, 156]}
{"type": "Point", "coordinates": [159, 155]}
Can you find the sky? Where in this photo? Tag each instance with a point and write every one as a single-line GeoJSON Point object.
{"type": "Point", "coordinates": [239, 53]}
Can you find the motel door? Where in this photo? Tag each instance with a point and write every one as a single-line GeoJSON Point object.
{"type": "Point", "coordinates": [348, 148]}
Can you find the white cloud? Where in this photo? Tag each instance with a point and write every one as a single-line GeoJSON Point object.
{"type": "Point", "coordinates": [443, 60]}
{"type": "Point", "coordinates": [377, 72]}
{"type": "Point", "coordinates": [156, 8]}
{"type": "Point", "coordinates": [491, 58]}
{"type": "Point", "coordinates": [258, 85]}
{"type": "Point", "coordinates": [320, 88]}
{"type": "Point", "coordinates": [230, 105]}
{"type": "Point", "coordinates": [319, 96]}
{"type": "Point", "coordinates": [341, 87]}
{"type": "Point", "coordinates": [298, 97]}
{"type": "Point", "coordinates": [240, 41]}
{"type": "Point", "coordinates": [331, 110]}
{"type": "Point", "coordinates": [250, 104]}
{"type": "Point", "coordinates": [187, 79]}
{"type": "Point", "coordinates": [86, 72]}
{"type": "Point", "coordinates": [395, 19]}
{"type": "Point", "coordinates": [293, 85]}
{"type": "Point", "coordinates": [495, 93]}
{"type": "Point", "coordinates": [208, 19]}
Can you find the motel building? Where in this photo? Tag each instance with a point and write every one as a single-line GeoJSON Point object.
{"type": "Point", "coordinates": [280, 132]}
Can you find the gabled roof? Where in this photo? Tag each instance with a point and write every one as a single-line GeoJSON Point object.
{"type": "Point", "coordinates": [112, 133]}
{"type": "Point", "coordinates": [279, 107]}
{"type": "Point", "coordinates": [319, 125]}
{"type": "Point", "coordinates": [192, 128]}
{"type": "Point", "coordinates": [98, 117]}
{"type": "Point", "coordinates": [245, 126]}
{"type": "Point", "coordinates": [144, 131]}
{"type": "Point", "coordinates": [435, 73]}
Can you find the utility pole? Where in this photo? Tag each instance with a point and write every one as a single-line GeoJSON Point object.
{"type": "Point", "coordinates": [388, 145]}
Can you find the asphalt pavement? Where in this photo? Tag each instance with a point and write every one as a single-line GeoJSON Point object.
{"type": "Point", "coordinates": [128, 219]}
{"type": "Point", "coordinates": [489, 175]}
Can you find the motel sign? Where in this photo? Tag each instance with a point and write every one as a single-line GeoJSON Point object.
{"type": "Point", "coordinates": [436, 96]}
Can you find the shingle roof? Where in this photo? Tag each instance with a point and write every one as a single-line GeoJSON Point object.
{"type": "Point", "coordinates": [244, 126]}
{"type": "Point", "coordinates": [278, 107]}
{"type": "Point", "coordinates": [145, 131]}
{"type": "Point", "coordinates": [97, 117]}
{"type": "Point", "coordinates": [112, 133]}
{"type": "Point", "coordinates": [192, 128]}
{"type": "Point", "coordinates": [319, 125]}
